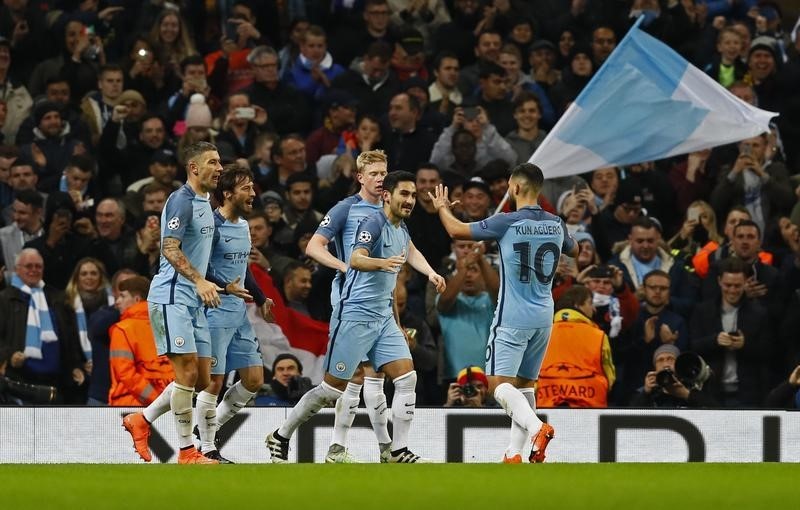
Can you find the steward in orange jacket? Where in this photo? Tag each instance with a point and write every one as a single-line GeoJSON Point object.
{"type": "Point", "coordinates": [577, 370]}
{"type": "Point", "coordinates": [138, 373]}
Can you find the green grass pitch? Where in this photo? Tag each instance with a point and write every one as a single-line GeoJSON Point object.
{"type": "Point", "coordinates": [412, 487]}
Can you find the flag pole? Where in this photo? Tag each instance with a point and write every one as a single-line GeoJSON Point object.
{"type": "Point", "coordinates": [635, 25]}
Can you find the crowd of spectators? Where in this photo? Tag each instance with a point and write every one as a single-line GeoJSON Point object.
{"type": "Point", "coordinates": [700, 253]}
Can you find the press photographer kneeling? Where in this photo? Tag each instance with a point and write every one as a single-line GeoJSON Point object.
{"type": "Point", "coordinates": [676, 381]}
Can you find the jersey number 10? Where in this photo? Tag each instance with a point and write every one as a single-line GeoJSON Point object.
{"type": "Point", "coordinates": [524, 250]}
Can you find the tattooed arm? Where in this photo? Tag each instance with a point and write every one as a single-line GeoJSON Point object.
{"type": "Point", "coordinates": [208, 292]}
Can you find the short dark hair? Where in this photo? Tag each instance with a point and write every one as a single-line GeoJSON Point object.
{"type": "Point", "coordinates": [573, 297]}
{"type": "Point", "coordinates": [490, 31]}
{"type": "Point", "coordinates": [645, 223]}
{"type": "Point", "coordinates": [293, 267]}
{"type": "Point", "coordinates": [392, 179]}
{"type": "Point", "coordinates": [56, 79]}
{"type": "Point", "coordinates": [487, 69]}
{"type": "Point", "coordinates": [427, 165]}
{"type": "Point", "coordinates": [277, 147]}
{"type": "Point", "coordinates": [257, 213]}
{"type": "Point", "coordinates": [654, 273]}
{"type": "Point", "coordinates": [151, 116]}
{"type": "Point", "coordinates": [155, 187]}
{"type": "Point", "coordinates": [232, 175]}
{"type": "Point", "coordinates": [9, 151]}
{"type": "Point", "coordinates": [531, 173]}
{"type": "Point", "coordinates": [137, 286]}
{"type": "Point", "coordinates": [437, 62]}
{"type": "Point", "coordinates": [286, 355]}
{"type": "Point", "coordinates": [30, 197]}
{"type": "Point", "coordinates": [192, 60]}
{"type": "Point", "coordinates": [413, 102]}
{"type": "Point", "coordinates": [524, 97]}
{"type": "Point", "coordinates": [83, 162]}
{"type": "Point", "coordinates": [109, 68]}
{"type": "Point", "coordinates": [733, 265]}
{"type": "Point", "coordinates": [380, 49]}
{"type": "Point", "coordinates": [747, 223]}
{"type": "Point", "coordinates": [299, 177]}
{"type": "Point", "coordinates": [195, 149]}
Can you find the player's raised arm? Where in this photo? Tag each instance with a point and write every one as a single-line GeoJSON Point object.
{"type": "Point", "coordinates": [418, 262]}
{"type": "Point", "coordinates": [208, 292]}
{"type": "Point", "coordinates": [456, 228]}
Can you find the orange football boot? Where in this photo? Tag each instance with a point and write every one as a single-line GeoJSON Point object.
{"type": "Point", "coordinates": [540, 441]}
{"type": "Point", "coordinates": [192, 456]}
{"type": "Point", "coordinates": [140, 432]}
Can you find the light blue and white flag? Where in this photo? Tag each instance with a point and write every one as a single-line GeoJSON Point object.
{"type": "Point", "coordinates": [645, 103]}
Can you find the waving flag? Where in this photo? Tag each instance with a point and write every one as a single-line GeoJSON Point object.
{"type": "Point", "coordinates": [645, 103]}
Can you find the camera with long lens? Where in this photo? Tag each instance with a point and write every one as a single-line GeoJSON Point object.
{"type": "Point", "coordinates": [28, 393]}
{"type": "Point", "coordinates": [690, 369]}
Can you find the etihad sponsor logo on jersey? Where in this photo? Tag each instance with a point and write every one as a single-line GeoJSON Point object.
{"type": "Point", "coordinates": [236, 256]}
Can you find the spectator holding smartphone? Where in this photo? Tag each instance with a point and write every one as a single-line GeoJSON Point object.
{"type": "Point", "coordinates": [731, 333]}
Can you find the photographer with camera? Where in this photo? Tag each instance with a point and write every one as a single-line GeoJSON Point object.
{"type": "Point", "coordinates": [674, 383]}
{"type": "Point", "coordinates": [469, 390]}
{"type": "Point", "coordinates": [287, 385]}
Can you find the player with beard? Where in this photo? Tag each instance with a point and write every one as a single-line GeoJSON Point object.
{"type": "Point", "coordinates": [178, 294]}
{"type": "Point", "coordinates": [368, 323]}
{"type": "Point", "coordinates": [233, 345]}
{"type": "Point", "coordinates": [339, 226]}
{"type": "Point", "coordinates": [530, 242]}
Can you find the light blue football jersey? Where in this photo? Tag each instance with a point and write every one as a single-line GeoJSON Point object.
{"type": "Point", "coordinates": [230, 254]}
{"type": "Point", "coordinates": [530, 241]}
{"type": "Point", "coordinates": [368, 295]}
{"type": "Point", "coordinates": [339, 227]}
{"type": "Point", "coordinates": [188, 218]}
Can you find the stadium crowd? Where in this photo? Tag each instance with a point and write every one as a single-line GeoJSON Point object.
{"type": "Point", "coordinates": [699, 253]}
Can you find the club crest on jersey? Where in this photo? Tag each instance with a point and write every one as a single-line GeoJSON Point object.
{"type": "Point", "coordinates": [341, 367]}
{"type": "Point", "coordinates": [364, 237]}
{"type": "Point", "coordinates": [179, 341]}
{"type": "Point", "coordinates": [325, 221]}
{"type": "Point", "coordinates": [484, 225]}
{"type": "Point", "coordinates": [174, 223]}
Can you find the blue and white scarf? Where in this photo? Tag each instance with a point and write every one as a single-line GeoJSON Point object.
{"type": "Point", "coordinates": [80, 315]}
{"type": "Point", "coordinates": [39, 324]}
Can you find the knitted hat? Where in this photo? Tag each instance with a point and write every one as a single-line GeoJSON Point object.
{"type": "Point", "coordinates": [766, 43]}
{"type": "Point", "coordinates": [583, 236]}
{"type": "Point", "coordinates": [668, 348]}
{"type": "Point", "coordinates": [475, 374]}
{"type": "Point", "coordinates": [198, 114]}
{"type": "Point", "coordinates": [43, 109]}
